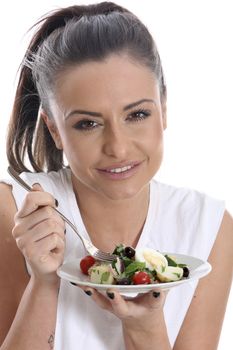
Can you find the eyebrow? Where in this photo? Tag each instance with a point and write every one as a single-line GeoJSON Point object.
{"type": "Point", "coordinates": [97, 114]}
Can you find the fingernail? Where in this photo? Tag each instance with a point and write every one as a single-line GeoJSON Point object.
{"type": "Point", "coordinates": [88, 292]}
{"type": "Point", "coordinates": [156, 294]}
{"type": "Point", "coordinates": [56, 202]}
{"type": "Point", "coordinates": [74, 284]}
{"type": "Point", "coordinates": [111, 295]}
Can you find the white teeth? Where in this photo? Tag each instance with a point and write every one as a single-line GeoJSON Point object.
{"type": "Point", "coordinates": [121, 170]}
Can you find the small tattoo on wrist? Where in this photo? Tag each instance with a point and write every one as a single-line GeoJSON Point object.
{"type": "Point", "coordinates": [51, 341]}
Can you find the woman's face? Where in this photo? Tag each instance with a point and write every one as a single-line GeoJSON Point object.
{"type": "Point", "coordinates": [109, 120]}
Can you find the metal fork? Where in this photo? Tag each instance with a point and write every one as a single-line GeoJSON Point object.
{"type": "Point", "coordinates": [90, 248]}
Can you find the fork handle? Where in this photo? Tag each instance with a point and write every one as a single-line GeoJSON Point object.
{"type": "Point", "coordinates": [84, 241]}
{"type": "Point", "coordinates": [22, 183]}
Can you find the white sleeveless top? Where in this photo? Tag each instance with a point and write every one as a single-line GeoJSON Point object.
{"type": "Point", "coordinates": [179, 220]}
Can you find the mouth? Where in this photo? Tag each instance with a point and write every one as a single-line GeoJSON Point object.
{"type": "Point", "coordinates": [120, 171]}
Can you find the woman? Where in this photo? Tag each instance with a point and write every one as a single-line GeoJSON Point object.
{"type": "Point", "coordinates": [92, 90]}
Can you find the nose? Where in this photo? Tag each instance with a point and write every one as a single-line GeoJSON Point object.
{"type": "Point", "coordinates": [115, 142]}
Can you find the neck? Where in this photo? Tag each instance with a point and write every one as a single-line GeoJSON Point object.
{"type": "Point", "coordinates": [110, 222]}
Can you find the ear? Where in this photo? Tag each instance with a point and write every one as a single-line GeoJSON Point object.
{"type": "Point", "coordinates": [52, 129]}
{"type": "Point", "coordinates": [164, 113]}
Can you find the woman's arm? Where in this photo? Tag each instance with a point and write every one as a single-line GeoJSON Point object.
{"type": "Point", "coordinates": [203, 322]}
{"type": "Point", "coordinates": [150, 337]}
{"type": "Point", "coordinates": [142, 317]}
{"type": "Point", "coordinates": [34, 323]}
{"type": "Point", "coordinates": [28, 305]}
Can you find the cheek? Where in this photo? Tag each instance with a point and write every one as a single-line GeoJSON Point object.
{"type": "Point", "coordinates": [75, 155]}
{"type": "Point", "coordinates": [79, 154]}
{"type": "Point", "coordinates": [154, 148]}
{"type": "Point", "coordinates": [154, 139]}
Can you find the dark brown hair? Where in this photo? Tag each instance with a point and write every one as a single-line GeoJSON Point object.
{"type": "Point", "coordinates": [67, 37]}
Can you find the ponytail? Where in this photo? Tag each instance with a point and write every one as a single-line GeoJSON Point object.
{"type": "Point", "coordinates": [23, 126]}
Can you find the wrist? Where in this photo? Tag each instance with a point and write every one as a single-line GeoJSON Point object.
{"type": "Point", "coordinates": [148, 335]}
{"type": "Point", "coordinates": [38, 283]}
{"type": "Point", "coordinates": [146, 324]}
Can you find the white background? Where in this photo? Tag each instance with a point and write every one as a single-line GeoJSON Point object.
{"type": "Point", "coordinates": [195, 40]}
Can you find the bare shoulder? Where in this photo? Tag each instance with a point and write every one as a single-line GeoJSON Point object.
{"type": "Point", "coordinates": [203, 322]}
{"type": "Point", "coordinates": [221, 257]}
{"type": "Point", "coordinates": [226, 229]}
{"type": "Point", "coordinates": [7, 212]}
{"type": "Point", "coordinates": [13, 275]}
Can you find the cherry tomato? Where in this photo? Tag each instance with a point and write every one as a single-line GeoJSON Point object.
{"type": "Point", "coordinates": [141, 277]}
{"type": "Point", "coordinates": [86, 263]}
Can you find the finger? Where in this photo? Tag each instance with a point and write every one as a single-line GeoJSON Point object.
{"type": "Point", "coordinates": [87, 290]}
{"type": "Point", "coordinates": [101, 300]}
{"type": "Point", "coordinates": [40, 232]}
{"type": "Point", "coordinates": [155, 299]}
{"type": "Point", "coordinates": [37, 187]}
{"type": "Point", "coordinates": [42, 250]}
{"type": "Point", "coordinates": [47, 227]}
{"type": "Point", "coordinates": [97, 297]}
{"type": "Point", "coordinates": [137, 306]}
{"type": "Point", "coordinates": [118, 303]}
{"type": "Point", "coordinates": [40, 215]}
{"type": "Point", "coordinates": [33, 201]}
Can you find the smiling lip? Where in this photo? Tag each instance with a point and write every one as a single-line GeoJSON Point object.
{"type": "Point", "coordinates": [120, 171]}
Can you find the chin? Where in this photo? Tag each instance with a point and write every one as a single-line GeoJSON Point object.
{"type": "Point", "coordinates": [123, 194]}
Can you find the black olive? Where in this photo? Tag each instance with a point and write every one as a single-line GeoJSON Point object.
{"type": "Point", "coordinates": [186, 271]}
{"type": "Point", "coordinates": [129, 252]}
{"type": "Point", "coordinates": [124, 281]}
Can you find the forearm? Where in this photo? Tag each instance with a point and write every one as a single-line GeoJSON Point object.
{"type": "Point", "coordinates": [34, 323]}
{"type": "Point", "coordinates": [151, 337]}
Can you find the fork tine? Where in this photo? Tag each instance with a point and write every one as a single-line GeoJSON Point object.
{"type": "Point", "coordinates": [104, 256]}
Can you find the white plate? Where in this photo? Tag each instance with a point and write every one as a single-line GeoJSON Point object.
{"type": "Point", "coordinates": [198, 268]}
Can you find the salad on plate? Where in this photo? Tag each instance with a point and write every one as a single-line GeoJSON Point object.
{"type": "Point", "coordinates": [134, 267]}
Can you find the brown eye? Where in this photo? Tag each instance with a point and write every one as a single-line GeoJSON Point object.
{"type": "Point", "coordinates": [85, 125]}
{"type": "Point", "coordinates": [138, 115]}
